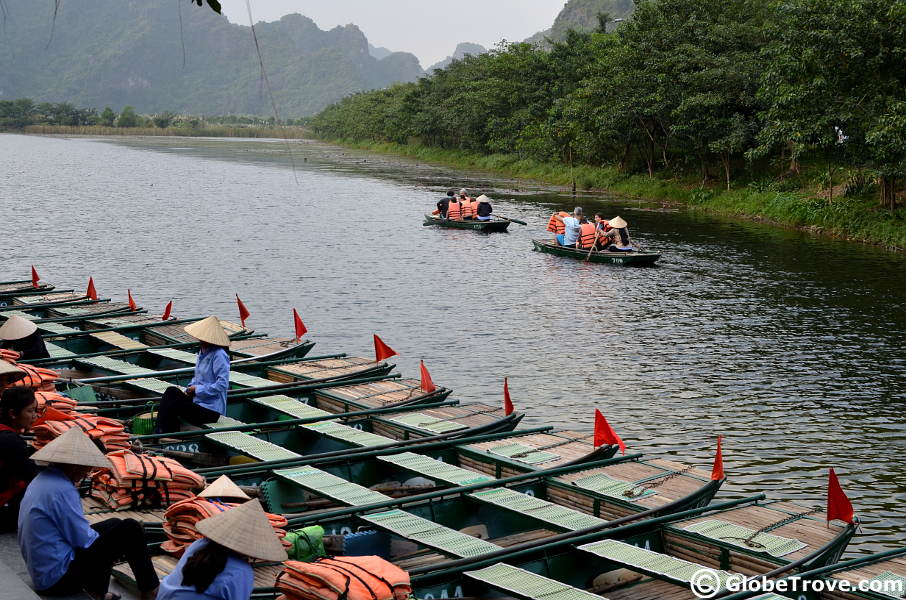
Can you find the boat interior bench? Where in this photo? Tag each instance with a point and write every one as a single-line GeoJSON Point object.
{"type": "Point", "coordinates": [428, 533]}
{"type": "Point", "coordinates": [249, 445]}
{"type": "Point", "coordinates": [328, 485]}
{"type": "Point", "coordinates": [554, 514]}
{"type": "Point", "coordinates": [435, 469]}
{"type": "Point", "coordinates": [649, 562]}
{"type": "Point", "coordinates": [428, 423]}
{"type": "Point", "coordinates": [525, 584]}
{"type": "Point", "coordinates": [118, 340]}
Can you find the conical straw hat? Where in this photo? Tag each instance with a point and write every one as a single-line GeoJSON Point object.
{"type": "Point", "coordinates": [223, 487]}
{"type": "Point", "coordinates": [72, 448]}
{"type": "Point", "coordinates": [209, 330]}
{"type": "Point", "coordinates": [244, 529]}
{"type": "Point", "coordinates": [617, 222]}
{"type": "Point", "coordinates": [10, 371]}
{"type": "Point", "coordinates": [482, 198]}
{"type": "Point", "coordinates": [17, 328]}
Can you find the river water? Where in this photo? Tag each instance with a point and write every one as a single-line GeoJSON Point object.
{"type": "Point", "coordinates": [789, 345]}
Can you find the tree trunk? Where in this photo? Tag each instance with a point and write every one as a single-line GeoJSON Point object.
{"type": "Point", "coordinates": [626, 148]}
{"type": "Point", "coordinates": [725, 159]}
{"type": "Point", "coordinates": [706, 175]}
{"type": "Point", "coordinates": [794, 162]}
{"type": "Point", "coordinates": [889, 192]}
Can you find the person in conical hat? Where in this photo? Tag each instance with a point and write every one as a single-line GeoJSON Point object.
{"type": "Point", "coordinates": [618, 236]}
{"type": "Point", "coordinates": [22, 335]}
{"type": "Point", "coordinates": [9, 374]}
{"type": "Point", "coordinates": [205, 399]}
{"type": "Point", "coordinates": [223, 487]}
{"type": "Point", "coordinates": [484, 208]}
{"type": "Point", "coordinates": [64, 554]}
{"type": "Point", "coordinates": [216, 567]}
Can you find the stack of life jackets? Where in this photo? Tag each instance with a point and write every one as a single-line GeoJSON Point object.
{"type": "Point", "coordinates": [107, 431]}
{"type": "Point", "coordinates": [343, 578]}
{"type": "Point", "coordinates": [62, 403]}
{"type": "Point", "coordinates": [141, 481]}
{"type": "Point", "coordinates": [555, 225]}
{"type": "Point", "coordinates": [180, 520]}
{"type": "Point", "coordinates": [35, 378]}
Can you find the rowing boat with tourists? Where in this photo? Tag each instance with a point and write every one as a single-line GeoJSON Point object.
{"type": "Point", "coordinates": [599, 240]}
{"type": "Point", "coordinates": [460, 211]}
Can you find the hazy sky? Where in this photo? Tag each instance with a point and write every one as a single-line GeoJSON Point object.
{"type": "Point", "coordinates": [430, 29]}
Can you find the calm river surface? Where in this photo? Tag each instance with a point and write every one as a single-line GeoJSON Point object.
{"type": "Point", "coordinates": [790, 346]}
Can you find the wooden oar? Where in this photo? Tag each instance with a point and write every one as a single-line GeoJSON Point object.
{"type": "Point", "coordinates": [511, 219]}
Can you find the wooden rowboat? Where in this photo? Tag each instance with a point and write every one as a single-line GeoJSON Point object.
{"type": "Point", "coordinates": [22, 287]}
{"type": "Point", "coordinates": [494, 226]}
{"type": "Point", "coordinates": [628, 259]}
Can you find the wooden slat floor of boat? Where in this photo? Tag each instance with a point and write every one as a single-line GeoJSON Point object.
{"type": "Point", "coordinates": [265, 576]}
{"type": "Point", "coordinates": [650, 589]}
{"type": "Point", "coordinates": [579, 446]}
{"type": "Point", "coordinates": [811, 530]}
{"type": "Point", "coordinates": [666, 490]}
{"type": "Point", "coordinates": [118, 340]}
{"type": "Point", "coordinates": [377, 394]}
{"type": "Point", "coordinates": [428, 557]}
{"type": "Point", "coordinates": [319, 369]}
{"type": "Point", "coordinates": [261, 346]}
{"type": "Point", "coordinates": [15, 286]}
{"type": "Point", "coordinates": [896, 566]}
{"type": "Point", "coordinates": [96, 511]}
{"type": "Point", "coordinates": [471, 415]}
{"type": "Point", "coordinates": [129, 318]}
{"type": "Point", "coordinates": [46, 298]}
{"type": "Point", "coordinates": [88, 309]}
{"type": "Point", "coordinates": [176, 333]}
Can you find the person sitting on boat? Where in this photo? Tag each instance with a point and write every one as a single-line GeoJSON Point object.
{"type": "Point", "coordinates": [216, 567]}
{"type": "Point", "coordinates": [588, 235]}
{"type": "Point", "coordinates": [484, 210]}
{"type": "Point", "coordinates": [570, 235]}
{"type": "Point", "coordinates": [602, 226]}
{"type": "Point", "coordinates": [23, 336]}
{"type": "Point", "coordinates": [469, 206]}
{"type": "Point", "coordinates": [443, 204]}
{"type": "Point", "coordinates": [63, 553]}
{"type": "Point", "coordinates": [9, 374]}
{"type": "Point", "coordinates": [617, 238]}
{"type": "Point", "coordinates": [454, 209]}
{"type": "Point", "coordinates": [206, 397]}
{"type": "Point", "coordinates": [17, 413]}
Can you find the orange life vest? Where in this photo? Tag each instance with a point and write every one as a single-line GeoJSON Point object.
{"type": "Point", "coordinates": [586, 235]}
{"type": "Point", "coordinates": [343, 577]}
{"type": "Point", "coordinates": [468, 208]}
{"type": "Point", "coordinates": [555, 225]}
{"type": "Point", "coordinates": [454, 211]}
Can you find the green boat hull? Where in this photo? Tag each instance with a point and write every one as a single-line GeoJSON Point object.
{"type": "Point", "coordinates": [498, 226]}
{"type": "Point", "coordinates": [626, 259]}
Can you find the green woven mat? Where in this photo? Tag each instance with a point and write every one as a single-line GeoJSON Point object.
{"type": "Point", "coordinates": [610, 486]}
{"type": "Point", "coordinates": [524, 454]}
{"type": "Point", "coordinates": [774, 545]}
{"type": "Point", "coordinates": [891, 576]}
{"type": "Point", "coordinates": [428, 423]}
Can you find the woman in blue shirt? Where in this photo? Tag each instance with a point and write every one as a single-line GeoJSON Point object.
{"type": "Point", "coordinates": [63, 553]}
{"type": "Point", "coordinates": [216, 567]}
{"type": "Point", "coordinates": [205, 398]}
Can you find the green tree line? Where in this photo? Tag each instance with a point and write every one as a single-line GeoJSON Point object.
{"type": "Point", "coordinates": [715, 88]}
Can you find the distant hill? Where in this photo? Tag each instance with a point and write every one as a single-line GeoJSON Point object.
{"type": "Point", "coordinates": [461, 50]}
{"type": "Point", "coordinates": [379, 52]}
{"type": "Point", "coordinates": [119, 52]}
{"type": "Point", "coordinates": [582, 15]}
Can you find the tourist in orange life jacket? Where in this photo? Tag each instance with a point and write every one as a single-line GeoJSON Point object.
{"type": "Point", "coordinates": [17, 413]}
{"type": "Point", "coordinates": [454, 209]}
{"type": "Point", "coordinates": [469, 206]}
{"type": "Point", "coordinates": [601, 227]}
{"type": "Point", "coordinates": [587, 235]}
{"type": "Point", "coordinates": [443, 203]}
{"type": "Point", "coordinates": [570, 235]}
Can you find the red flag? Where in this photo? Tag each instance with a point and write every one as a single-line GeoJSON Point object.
{"type": "Point", "coordinates": [34, 277]}
{"type": "Point", "coordinates": [507, 403]}
{"type": "Point", "coordinates": [132, 305]}
{"type": "Point", "coordinates": [243, 311]}
{"type": "Point", "coordinates": [52, 414]}
{"type": "Point", "coordinates": [167, 310]}
{"type": "Point", "coordinates": [427, 385]}
{"type": "Point", "coordinates": [838, 505]}
{"type": "Point", "coordinates": [604, 433]}
{"type": "Point", "coordinates": [381, 350]}
{"type": "Point", "coordinates": [301, 329]}
{"type": "Point", "coordinates": [91, 292]}
{"type": "Point", "coordinates": [717, 471]}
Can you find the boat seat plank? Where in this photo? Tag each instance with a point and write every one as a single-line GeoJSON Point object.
{"type": "Point", "coordinates": [736, 535]}
{"type": "Point", "coordinates": [260, 346]}
{"type": "Point", "coordinates": [47, 298]}
{"type": "Point", "coordinates": [90, 309]}
{"type": "Point", "coordinates": [321, 369]}
{"type": "Point", "coordinates": [118, 340]}
{"type": "Point", "coordinates": [251, 446]}
{"type": "Point", "coordinates": [150, 384]}
{"type": "Point", "coordinates": [648, 561]}
{"type": "Point", "coordinates": [112, 364]}
{"type": "Point", "coordinates": [524, 454]}
{"type": "Point", "coordinates": [376, 394]}
{"type": "Point", "coordinates": [57, 351]}
{"type": "Point", "coordinates": [525, 584]}
{"type": "Point", "coordinates": [347, 434]}
{"type": "Point", "coordinates": [613, 487]}
{"type": "Point", "coordinates": [331, 486]}
{"type": "Point", "coordinates": [435, 469]}
{"type": "Point", "coordinates": [174, 354]}
{"type": "Point", "coordinates": [548, 512]}
{"type": "Point", "coordinates": [426, 422]}
{"type": "Point", "coordinates": [289, 406]}
{"type": "Point", "coordinates": [430, 534]}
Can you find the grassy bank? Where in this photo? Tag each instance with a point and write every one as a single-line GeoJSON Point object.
{"type": "Point", "coordinates": [211, 131]}
{"type": "Point", "coordinates": [796, 203]}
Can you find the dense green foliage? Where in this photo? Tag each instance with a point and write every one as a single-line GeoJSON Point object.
{"type": "Point", "coordinates": [159, 56]}
{"type": "Point", "coordinates": [582, 15]}
{"type": "Point", "coordinates": [682, 86]}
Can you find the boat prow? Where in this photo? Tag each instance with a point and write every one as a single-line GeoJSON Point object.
{"type": "Point", "coordinates": [626, 258]}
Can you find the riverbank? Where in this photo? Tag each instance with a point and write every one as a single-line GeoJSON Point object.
{"type": "Point", "coordinates": [790, 203]}
{"type": "Point", "coordinates": [208, 131]}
